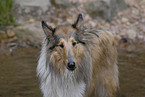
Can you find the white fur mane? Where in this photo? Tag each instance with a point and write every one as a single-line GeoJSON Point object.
{"type": "Point", "coordinates": [53, 86]}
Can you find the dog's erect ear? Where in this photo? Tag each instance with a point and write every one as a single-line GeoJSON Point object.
{"type": "Point", "coordinates": [79, 24]}
{"type": "Point", "coordinates": [48, 30]}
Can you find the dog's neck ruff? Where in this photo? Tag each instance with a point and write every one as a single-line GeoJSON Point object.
{"type": "Point", "coordinates": [54, 86]}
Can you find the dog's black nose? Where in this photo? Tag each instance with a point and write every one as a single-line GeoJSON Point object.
{"type": "Point", "coordinates": [71, 66]}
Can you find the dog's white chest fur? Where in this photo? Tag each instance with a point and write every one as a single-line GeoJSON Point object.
{"type": "Point", "coordinates": [54, 86]}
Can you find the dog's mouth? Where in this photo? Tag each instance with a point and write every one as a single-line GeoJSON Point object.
{"type": "Point", "coordinates": [71, 69]}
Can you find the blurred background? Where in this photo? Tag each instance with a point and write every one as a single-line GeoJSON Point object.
{"type": "Point", "coordinates": [21, 36]}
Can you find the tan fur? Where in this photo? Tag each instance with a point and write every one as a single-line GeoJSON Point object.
{"type": "Point", "coordinates": [103, 58]}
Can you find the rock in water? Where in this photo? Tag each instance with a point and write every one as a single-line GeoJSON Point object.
{"type": "Point", "coordinates": [29, 33]}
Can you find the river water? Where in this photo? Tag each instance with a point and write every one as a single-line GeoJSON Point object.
{"type": "Point", "coordinates": [18, 73]}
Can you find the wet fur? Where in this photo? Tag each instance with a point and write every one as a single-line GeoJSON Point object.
{"type": "Point", "coordinates": [96, 73]}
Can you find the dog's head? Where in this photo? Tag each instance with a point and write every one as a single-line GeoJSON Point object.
{"type": "Point", "coordinates": [66, 46]}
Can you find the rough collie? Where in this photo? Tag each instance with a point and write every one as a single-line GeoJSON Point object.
{"type": "Point", "coordinates": [77, 62]}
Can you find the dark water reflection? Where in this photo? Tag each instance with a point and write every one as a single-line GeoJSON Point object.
{"type": "Point", "coordinates": [18, 73]}
{"type": "Point", "coordinates": [132, 73]}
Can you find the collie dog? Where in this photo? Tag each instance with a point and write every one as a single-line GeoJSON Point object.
{"type": "Point", "coordinates": [77, 62]}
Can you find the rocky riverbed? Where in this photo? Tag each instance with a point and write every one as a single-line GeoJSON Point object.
{"type": "Point", "coordinates": [127, 22]}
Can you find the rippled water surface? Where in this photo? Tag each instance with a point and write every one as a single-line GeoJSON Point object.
{"type": "Point", "coordinates": [132, 73]}
{"type": "Point", "coordinates": [18, 73]}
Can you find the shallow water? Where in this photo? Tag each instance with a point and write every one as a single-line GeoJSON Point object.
{"type": "Point", "coordinates": [132, 73]}
{"type": "Point", "coordinates": [18, 73]}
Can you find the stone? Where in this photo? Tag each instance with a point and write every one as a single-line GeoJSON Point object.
{"type": "Point", "coordinates": [3, 37]}
{"type": "Point", "coordinates": [24, 10]}
{"type": "Point", "coordinates": [124, 20]}
{"type": "Point", "coordinates": [13, 39]}
{"type": "Point", "coordinates": [10, 33]}
{"type": "Point", "coordinates": [43, 4]}
{"type": "Point", "coordinates": [105, 9]}
{"type": "Point", "coordinates": [60, 3]}
{"type": "Point", "coordinates": [31, 33]}
{"type": "Point", "coordinates": [131, 34]}
{"type": "Point", "coordinates": [31, 21]}
{"type": "Point", "coordinates": [141, 37]}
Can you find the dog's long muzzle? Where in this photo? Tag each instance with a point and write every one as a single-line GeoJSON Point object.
{"type": "Point", "coordinates": [71, 64]}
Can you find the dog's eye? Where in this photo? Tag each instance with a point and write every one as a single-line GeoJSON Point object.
{"type": "Point", "coordinates": [81, 42]}
{"type": "Point", "coordinates": [52, 47]}
{"type": "Point", "coordinates": [62, 46]}
{"type": "Point", "coordinates": [74, 43]}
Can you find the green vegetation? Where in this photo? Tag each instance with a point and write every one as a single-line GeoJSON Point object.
{"type": "Point", "coordinates": [6, 17]}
